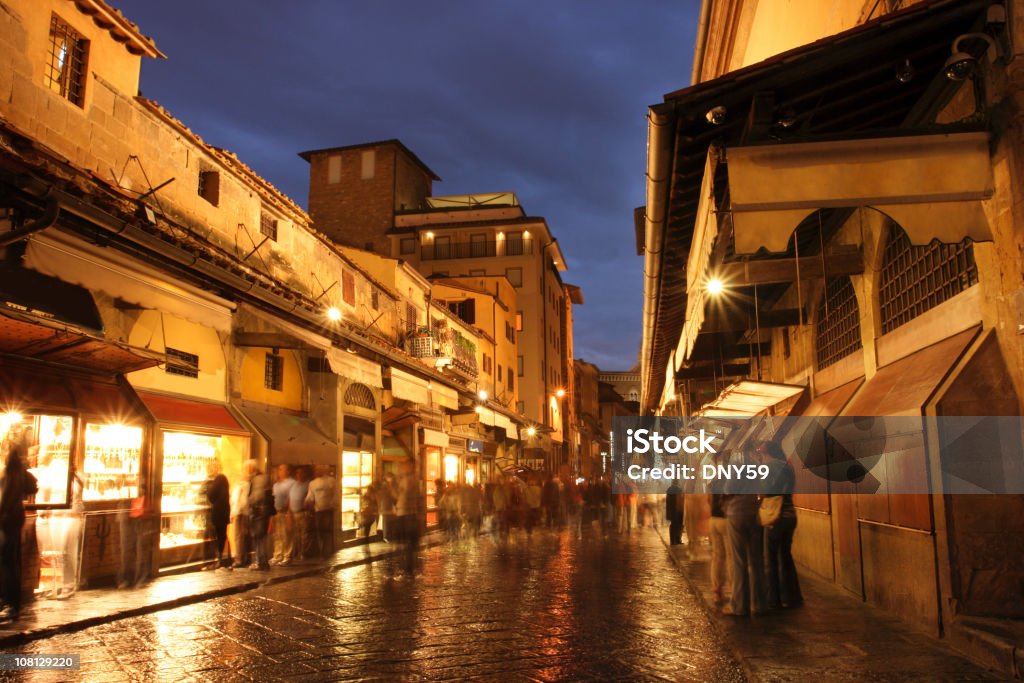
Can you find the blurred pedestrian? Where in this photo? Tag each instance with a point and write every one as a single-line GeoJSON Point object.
{"type": "Point", "coordinates": [218, 497]}
{"type": "Point", "coordinates": [299, 516]}
{"type": "Point", "coordinates": [386, 506]}
{"type": "Point", "coordinates": [532, 498]}
{"type": "Point", "coordinates": [16, 484]}
{"type": "Point", "coordinates": [369, 509]}
{"type": "Point", "coordinates": [261, 510]}
{"type": "Point", "coordinates": [322, 497]}
{"type": "Point", "coordinates": [746, 552]}
{"type": "Point", "coordinates": [408, 514]}
{"type": "Point", "coordinates": [783, 584]}
{"type": "Point", "coordinates": [674, 513]}
{"type": "Point", "coordinates": [550, 501]}
{"type": "Point", "coordinates": [136, 552]}
{"type": "Point", "coordinates": [240, 518]}
{"type": "Point", "coordinates": [284, 537]}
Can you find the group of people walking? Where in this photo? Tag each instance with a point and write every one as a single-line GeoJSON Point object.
{"type": "Point", "coordinates": [750, 534]}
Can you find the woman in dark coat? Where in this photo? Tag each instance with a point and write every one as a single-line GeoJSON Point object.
{"type": "Point", "coordinates": [218, 495]}
{"type": "Point", "coordinates": [17, 484]}
{"type": "Point", "coordinates": [782, 579]}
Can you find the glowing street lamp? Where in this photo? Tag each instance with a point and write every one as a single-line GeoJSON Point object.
{"type": "Point", "coordinates": [531, 431]}
{"type": "Point", "coordinates": [715, 286]}
{"type": "Point", "coordinates": [560, 393]}
{"type": "Point", "coordinates": [482, 394]}
{"type": "Point", "coordinates": [334, 314]}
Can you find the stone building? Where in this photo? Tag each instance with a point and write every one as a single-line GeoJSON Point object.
{"type": "Point", "coordinates": [379, 195]}
{"type": "Point", "coordinates": [833, 228]}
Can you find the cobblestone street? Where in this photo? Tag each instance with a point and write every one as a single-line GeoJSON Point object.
{"type": "Point", "coordinates": [542, 608]}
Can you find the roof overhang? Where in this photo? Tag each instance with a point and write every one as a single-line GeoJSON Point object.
{"type": "Point", "coordinates": [749, 398]}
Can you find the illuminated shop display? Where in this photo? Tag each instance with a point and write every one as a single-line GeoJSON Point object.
{"type": "Point", "coordinates": [432, 474]}
{"type": "Point", "coordinates": [113, 454]}
{"type": "Point", "coordinates": [451, 468]}
{"type": "Point", "coordinates": [49, 451]}
{"type": "Point", "coordinates": [186, 465]}
{"type": "Point", "coordinates": [356, 475]}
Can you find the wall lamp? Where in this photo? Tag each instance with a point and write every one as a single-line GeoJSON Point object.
{"type": "Point", "coordinates": [960, 63]}
{"type": "Point", "coordinates": [716, 115]}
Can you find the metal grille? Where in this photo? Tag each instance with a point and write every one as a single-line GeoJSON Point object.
{"type": "Point", "coordinates": [915, 279]}
{"type": "Point", "coordinates": [181, 363]}
{"type": "Point", "coordinates": [838, 323]}
{"type": "Point", "coordinates": [360, 396]}
{"type": "Point", "coordinates": [65, 70]}
{"type": "Point", "coordinates": [273, 372]}
{"type": "Point", "coordinates": [268, 226]}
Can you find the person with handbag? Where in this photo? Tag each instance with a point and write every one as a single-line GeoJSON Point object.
{"type": "Point", "coordinates": [746, 549]}
{"type": "Point", "coordinates": [778, 516]}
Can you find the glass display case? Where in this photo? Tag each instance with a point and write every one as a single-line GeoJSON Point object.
{"type": "Point", "coordinates": [432, 472]}
{"type": "Point", "coordinates": [48, 439]}
{"type": "Point", "coordinates": [110, 469]}
{"type": "Point", "coordinates": [356, 474]}
{"type": "Point", "coordinates": [187, 460]}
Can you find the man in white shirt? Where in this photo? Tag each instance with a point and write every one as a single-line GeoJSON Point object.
{"type": "Point", "coordinates": [240, 516]}
{"type": "Point", "coordinates": [322, 498]}
{"type": "Point", "coordinates": [284, 545]}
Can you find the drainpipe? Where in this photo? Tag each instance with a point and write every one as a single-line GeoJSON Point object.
{"type": "Point", "coordinates": [702, 41]}
{"type": "Point", "coordinates": [49, 217]}
{"type": "Point", "coordinates": [660, 132]}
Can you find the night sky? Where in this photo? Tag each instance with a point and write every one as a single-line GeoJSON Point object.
{"type": "Point", "coordinates": [547, 100]}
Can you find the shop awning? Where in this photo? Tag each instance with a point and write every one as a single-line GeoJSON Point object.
{"type": "Point", "coordinates": [432, 437]}
{"type": "Point", "coordinates": [932, 185]}
{"type": "Point", "coordinates": [49, 320]}
{"type": "Point", "coordinates": [749, 398]}
{"type": "Point", "coordinates": [32, 386]}
{"type": "Point", "coordinates": [409, 387]}
{"type": "Point", "coordinates": [293, 440]}
{"type": "Point", "coordinates": [492, 418]}
{"type": "Point", "coordinates": [172, 411]}
{"type": "Point", "coordinates": [107, 270]}
{"type": "Point", "coordinates": [355, 368]}
{"type": "Point", "coordinates": [392, 447]}
{"type": "Point", "coordinates": [904, 387]}
{"type": "Point", "coordinates": [446, 397]}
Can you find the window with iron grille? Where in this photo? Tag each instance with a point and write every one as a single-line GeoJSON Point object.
{"type": "Point", "coordinates": [65, 69]}
{"type": "Point", "coordinates": [181, 363]}
{"type": "Point", "coordinates": [837, 325]}
{"type": "Point", "coordinates": [360, 396]}
{"type": "Point", "coordinates": [918, 278]}
{"type": "Point", "coordinates": [410, 318]}
{"type": "Point", "coordinates": [268, 226]}
{"type": "Point", "coordinates": [273, 372]}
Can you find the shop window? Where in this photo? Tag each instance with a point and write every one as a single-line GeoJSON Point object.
{"type": "Point", "coordinates": [407, 246]}
{"type": "Point", "coordinates": [113, 454]}
{"type": "Point", "coordinates": [48, 438]}
{"type": "Point", "coordinates": [515, 276]}
{"type": "Point", "coordinates": [181, 363]}
{"type": "Point", "coordinates": [348, 287]}
{"type": "Point", "coordinates": [356, 475]}
{"type": "Point", "coordinates": [837, 325]}
{"type": "Point", "coordinates": [918, 278]}
{"type": "Point", "coordinates": [209, 186]}
{"type": "Point", "coordinates": [268, 225]}
{"type": "Point", "coordinates": [66, 62]}
{"type": "Point", "coordinates": [273, 372]}
{"type": "Point", "coordinates": [360, 396]}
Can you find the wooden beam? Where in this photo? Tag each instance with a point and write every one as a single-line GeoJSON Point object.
{"type": "Point", "coordinates": [745, 320]}
{"type": "Point", "coordinates": [780, 271]}
{"type": "Point", "coordinates": [712, 371]}
{"type": "Point", "coordinates": [271, 340]}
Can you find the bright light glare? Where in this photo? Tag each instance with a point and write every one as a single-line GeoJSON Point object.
{"type": "Point", "coordinates": [531, 431]}
{"type": "Point", "coordinates": [560, 393]}
{"type": "Point", "coordinates": [715, 286]}
{"type": "Point", "coordinates": [334, 313]}
{"type": "Point", "coordinates": [483, 394]}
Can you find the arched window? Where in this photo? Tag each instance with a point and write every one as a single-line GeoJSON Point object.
{"type": "Point", "coordinates": [837, 325]}
{"type": "Point", "coordinates": [360, 396]}
{"type": "Point", "coordinates": [915, 279]}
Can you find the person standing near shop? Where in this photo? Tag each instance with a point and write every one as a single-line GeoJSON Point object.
{"type": "Point", "coordinates": [299, 517]}
{"type": "Point", "coordinates": [783, 583]}
{"type": "Point", "coordinates": [408, 511]}
{"type": "Point", "coordinates": [261, 509]}
{"type": "Point", "coordinates": [136, 554]}
{"type": "Point", "coordinates": [240, 516]}
{"type": "Point", "coordinates": [322, 497]}
{"type": "Point", "coordinates": [16, 484]}
{"type": "Point", "coordinates": [284, 536]}
{"type": "Point", "coordinates": [746, 551]}
{"type": "Point", "coordinates": [674, 513]}
{"type": "Point", "coordinates": [218, 497]}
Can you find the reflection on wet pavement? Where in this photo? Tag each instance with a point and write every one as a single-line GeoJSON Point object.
{"type": "Point", "coordinates": [544, 608]}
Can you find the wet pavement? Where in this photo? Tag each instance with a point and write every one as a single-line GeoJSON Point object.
{"type": "Point", "coordinates": [544, 608]}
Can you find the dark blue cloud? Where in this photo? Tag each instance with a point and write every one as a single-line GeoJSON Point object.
{"type": "Point", "coordinates": [544, 99]}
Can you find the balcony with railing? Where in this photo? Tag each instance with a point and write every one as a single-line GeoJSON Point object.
{"type": "Point", "coordinates": [443, 250]}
